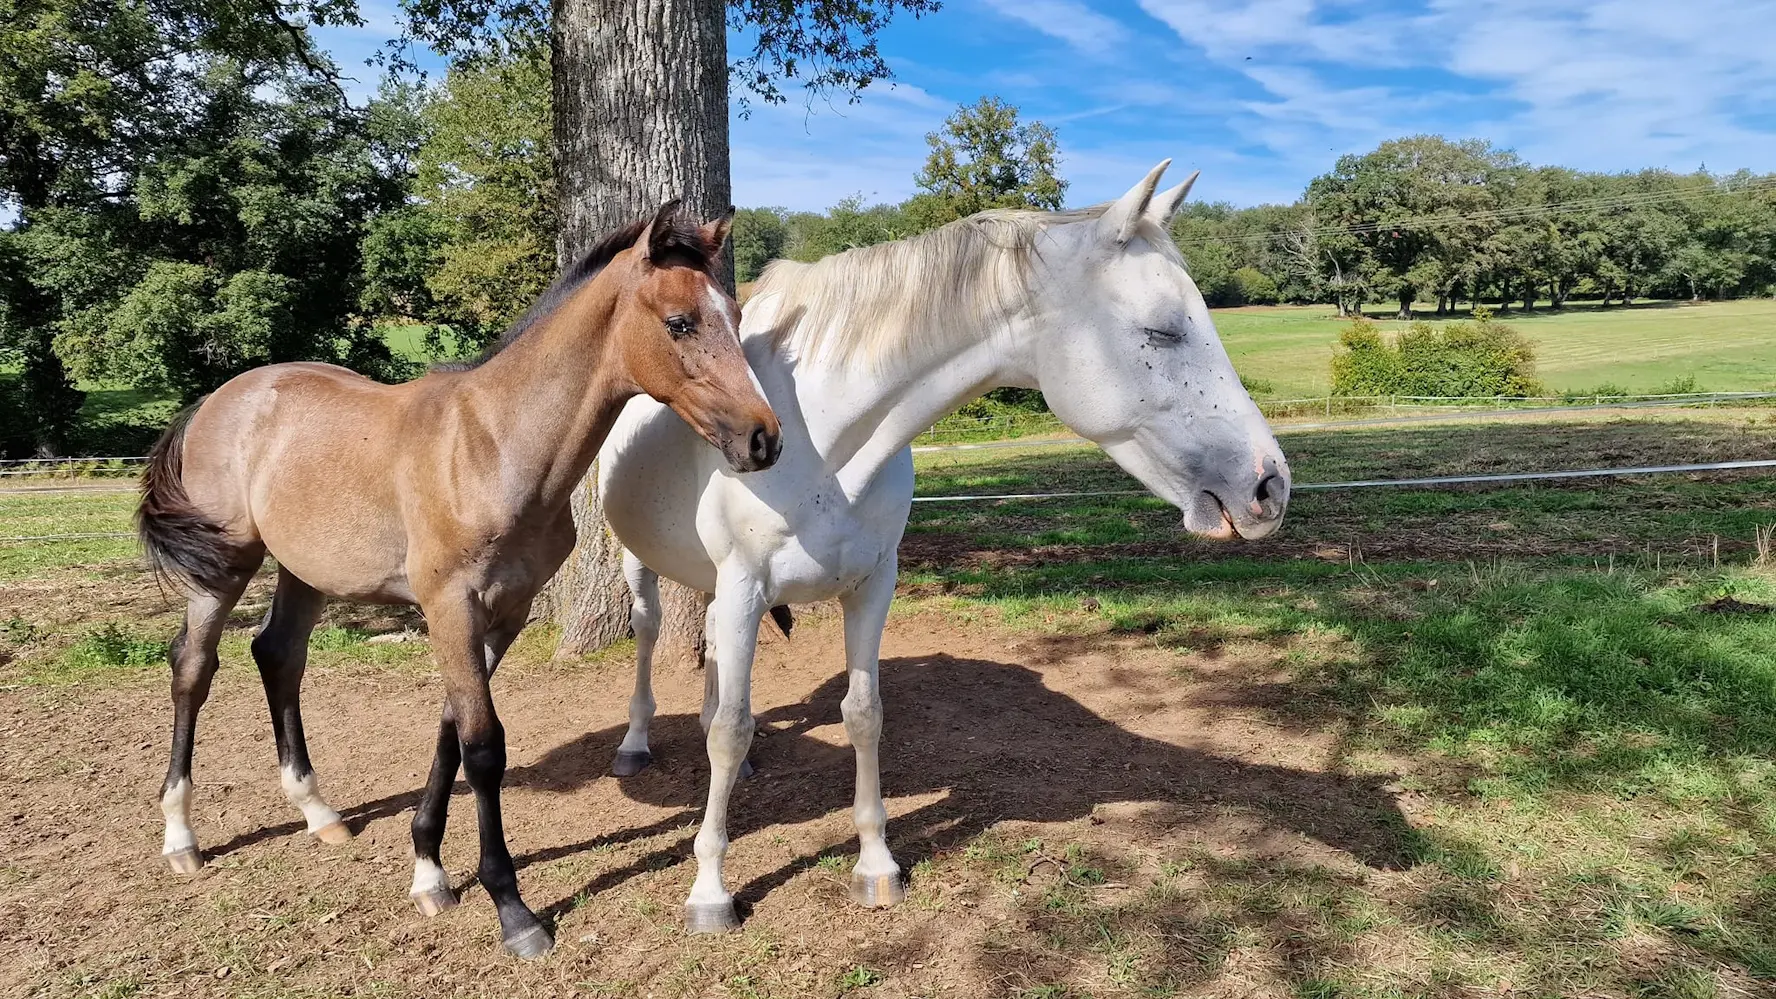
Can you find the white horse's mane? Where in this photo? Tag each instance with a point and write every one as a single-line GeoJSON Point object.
{"type": "Point", "coordinates": [878, 306]}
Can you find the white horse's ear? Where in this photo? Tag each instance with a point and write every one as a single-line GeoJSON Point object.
{"type": "Point", "coordinates": [1120, 220]}
{"type": "Point", "coordinates": [1166, 203]}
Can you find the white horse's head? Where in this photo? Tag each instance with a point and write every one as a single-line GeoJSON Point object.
{"type": "Point", "coordinates": [1129, 358]}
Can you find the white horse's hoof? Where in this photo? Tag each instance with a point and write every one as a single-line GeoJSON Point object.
{"type": "Point", "coordinates": [433, 901]}
{"type": "Point", "coordinates": [629, 763]}
{"type": "Point", "coordinates": [186, 861]}
{"type": "Point", "coordinates": [878, 892]}
{"type": "Point", "coordinates": [333, 834]}
{"type": "Point", "coordinates": [710, 917]}
{"type": "Point", "coordinates": [531, 944]}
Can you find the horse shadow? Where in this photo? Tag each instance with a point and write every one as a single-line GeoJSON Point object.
{"type": "Point", "coordinates": [995, 742]}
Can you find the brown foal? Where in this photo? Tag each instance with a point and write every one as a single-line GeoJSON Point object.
{"type": "Point", "coordinates": [450, 492]}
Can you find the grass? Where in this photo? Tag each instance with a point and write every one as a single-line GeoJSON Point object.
{"type": "Point", "coordinates": [1551, 672]}
{"type": "Point", "coordinates": [1724, 346]}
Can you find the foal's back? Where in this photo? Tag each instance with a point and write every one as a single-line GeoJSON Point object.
{"type": "Point", "coordinates": [309, 460]}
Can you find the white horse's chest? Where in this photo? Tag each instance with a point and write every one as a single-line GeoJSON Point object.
{"type": "Point", "coordinates": [790, 529]}
{"type": "Point", "coordinates": [806, 545]}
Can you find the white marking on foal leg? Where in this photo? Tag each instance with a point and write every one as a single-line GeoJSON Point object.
{"type": "Point", "coordinates": [431, 892]}
{"type": "Point", "coordinates": [876, 879]}
{"type": "Point", "coordinates": [305, 793]}
{"type": "Point", "coordinates": [175, 804]}
{"type": "Point", "coordinates": [428, 876]}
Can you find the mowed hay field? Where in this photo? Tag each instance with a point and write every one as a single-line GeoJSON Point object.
{"type": "Point", "coordinates": [1725, 346]}
{"type": "Point", "coordinates": [1454, 743]}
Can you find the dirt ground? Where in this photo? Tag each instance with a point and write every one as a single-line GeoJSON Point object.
{"type": "Point", "coordinates": [1105, 746]}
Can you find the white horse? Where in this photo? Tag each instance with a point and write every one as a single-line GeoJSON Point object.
{"type": "Point", "coordinates": [857, 354]}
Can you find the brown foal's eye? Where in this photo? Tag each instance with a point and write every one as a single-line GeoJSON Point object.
{"type": "Point", "coordinates": [680, 325]}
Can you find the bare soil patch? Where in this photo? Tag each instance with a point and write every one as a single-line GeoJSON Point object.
{"type": "Point", "coordinates": [1103, 746]}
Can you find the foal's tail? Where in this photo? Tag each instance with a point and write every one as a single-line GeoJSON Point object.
{"type": "Point", "coordinates": [182, 544]}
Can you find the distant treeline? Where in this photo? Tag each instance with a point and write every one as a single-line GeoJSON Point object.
{"type": "Point", "coordinates": [1422, 220]}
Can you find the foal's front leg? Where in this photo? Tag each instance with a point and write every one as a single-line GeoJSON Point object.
{"type": "Point", "coordinates": [431, 892]}
{"type": "Point", "coordinates": [734, 619]}
{"type": "Point", "coordinates": [876, 879]}
{"type": "Point", "coordinates": [458, 631]}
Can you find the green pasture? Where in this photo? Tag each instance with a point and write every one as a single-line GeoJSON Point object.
{"type": "Point", "coordinates": [1724, 346]}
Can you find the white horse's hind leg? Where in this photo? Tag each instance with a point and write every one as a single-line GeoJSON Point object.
{"type": "Point", "coordinates": [735, 617]}
{"type": "Point", "coordinates": [876, 879]}
{"type": "Point", "coordinates": [644, 619]}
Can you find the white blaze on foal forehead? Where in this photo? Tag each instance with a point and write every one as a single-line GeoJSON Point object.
{"type": "Point", "coordinates": [718, 307]}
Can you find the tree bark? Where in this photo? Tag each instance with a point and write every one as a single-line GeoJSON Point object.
{"type": "Point", "coordinates": [641, 116]}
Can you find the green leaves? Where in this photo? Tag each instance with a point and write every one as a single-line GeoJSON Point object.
{"type": "Point", "coordinates": [986, 158]}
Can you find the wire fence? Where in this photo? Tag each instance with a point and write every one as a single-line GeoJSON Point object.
{"type": "Point", "coordinates": [1422, 483]}
{"type": "Point", "coordinates": [62, 476]}
{"type": "Point", "coordinates": [1005, 430]}
{"type": "Point", "coordinates": [1286, 413]}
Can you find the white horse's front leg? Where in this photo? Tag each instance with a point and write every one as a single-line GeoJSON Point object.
{"type": "Point", "coordinates": [735, 620]}
{"type": "Point", "coordinates": [644, 620]}
{"type": "Point", "coordinates": [876, 879]}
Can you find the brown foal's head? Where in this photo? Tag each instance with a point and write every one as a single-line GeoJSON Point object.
{"type": "Point", "coordinates": [677, 331]}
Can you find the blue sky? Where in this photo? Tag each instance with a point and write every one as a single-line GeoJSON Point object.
{"type": "Point", "coordinates": [1262, 96]}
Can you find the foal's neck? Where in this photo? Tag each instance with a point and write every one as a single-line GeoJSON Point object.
{"type": "Point", "coordinates": [553, 394]}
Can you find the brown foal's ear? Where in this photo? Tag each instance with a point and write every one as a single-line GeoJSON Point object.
{"type": "Point", "coordinates": [662, 234]}
{"type": "Point", "coordinates": [715, 233]}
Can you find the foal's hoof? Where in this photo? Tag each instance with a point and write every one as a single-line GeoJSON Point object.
{"type": "Point", "coordinates": [746, 770]}
{"type": "Point", "coordinates": [877, 892]}
{"type": "Point", "coordinates": [433, 901]}
{"type": "Point", "coordinates": [186, 861]}
{"type": "Point", "coordinates": [531, 944]}
{"type": "Point", "coordinates": [629, 763]}
{"type": "Point", "coordinates": [710, 917]}
{"type": "Point", "coordinates": [333, 834]}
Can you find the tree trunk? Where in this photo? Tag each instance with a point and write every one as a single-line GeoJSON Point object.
{"type": "Point", "coordinates": [641, 116]}
{"type": "Point", "coordinates": [1406, 304]}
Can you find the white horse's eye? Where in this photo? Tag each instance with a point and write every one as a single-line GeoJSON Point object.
{"type": "Point", "coordinates": [1163, 338]}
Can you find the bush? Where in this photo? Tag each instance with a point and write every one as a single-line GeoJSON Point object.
{"type": "Point", "coordinates": [1254, 287]}
{"type": "Point", "coordinates": [1477, 357]}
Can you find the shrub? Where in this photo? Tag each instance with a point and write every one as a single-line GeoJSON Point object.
{"type": "Point", "coordinates": [1477, 357]}
{"type": "Point", "coordinates": [1254, 287]}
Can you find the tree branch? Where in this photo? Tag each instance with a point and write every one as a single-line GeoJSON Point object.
{"type": "Point", "coordinates": [299, 38]}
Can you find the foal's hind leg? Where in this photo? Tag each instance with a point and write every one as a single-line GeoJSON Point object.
{"type": "Point", "coordinates": [644, 620]}
{"type": "Point", "coordinates": [281, 650]}
{"type": "Point", "coordinates": [193, 657]}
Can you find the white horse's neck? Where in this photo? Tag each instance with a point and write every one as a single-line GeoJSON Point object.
{"type": "Point", "coordinates": [858, 419]}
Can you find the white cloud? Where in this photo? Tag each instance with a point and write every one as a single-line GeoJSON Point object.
{"type": "Point", "coordinates": [1601, 85]}
{"type": "Point", "coordinates": [1071, 22]}
{"type": "Point", "coordinates": [808, 156]}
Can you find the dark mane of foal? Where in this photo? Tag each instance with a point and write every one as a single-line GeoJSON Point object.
{"type": "Point", "coordinates": [684, 241]}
